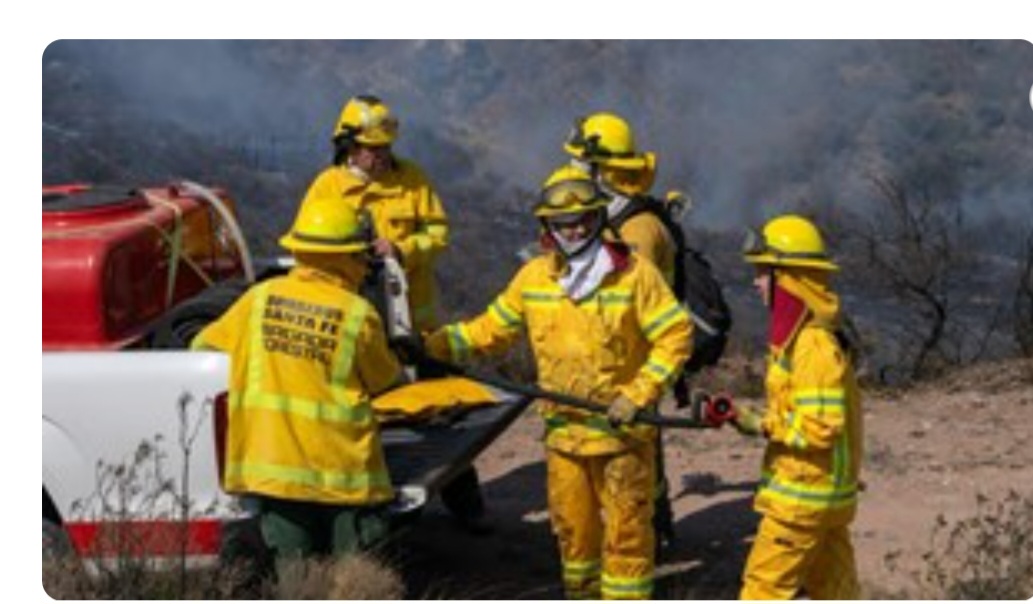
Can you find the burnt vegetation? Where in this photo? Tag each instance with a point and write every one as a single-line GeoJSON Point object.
{"type": "Point", "coordinates": [913, 155]}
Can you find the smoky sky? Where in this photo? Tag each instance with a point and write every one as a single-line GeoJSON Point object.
{"type": "Point", "coordinates": [747, 127]}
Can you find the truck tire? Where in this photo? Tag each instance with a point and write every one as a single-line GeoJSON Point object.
{"type": "Point", "coordinates": [177, 328]}
{"type": "Point", "coordinates": [56, 543]}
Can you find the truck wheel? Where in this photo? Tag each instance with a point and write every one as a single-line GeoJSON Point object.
{"type": "Point", "coordinates": [182, 323]}
{"type": "Point", "coordinates": [56, 544]}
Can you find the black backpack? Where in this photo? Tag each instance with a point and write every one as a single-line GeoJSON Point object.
{"type": "Point", "coordinates": [694, 285]}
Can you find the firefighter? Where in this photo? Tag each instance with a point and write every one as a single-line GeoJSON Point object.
{"type": "Point", "coordinates": [308, 353]}
{"type": "Point", "coordinates": [603, 326]}
{"type": "Point", "coordinates": [408, 218]}
{"type": "Point", "coordinates": [812, 423]}
{"type": "Point", "coordinates": [409, 223]}
{"type": "Point", "coordinates": [603, 145]}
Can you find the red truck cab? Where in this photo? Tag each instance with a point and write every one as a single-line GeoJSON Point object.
{"type": "Point", "coordinates": [116, 260]}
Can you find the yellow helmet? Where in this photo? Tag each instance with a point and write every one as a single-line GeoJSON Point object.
{"type": "Point", "coordinates": [367, 120]}
{"type": "Point", "coordinates": [327, 225]}
{"type": "Point", "coordinates": [605, 139]}
{"type": "Point", "coordinates": [569, 190]}
{"type": "Point", "coordinates": [788, 240]}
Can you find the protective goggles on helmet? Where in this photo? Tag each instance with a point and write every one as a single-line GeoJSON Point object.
{"type": "Point", "coordinates": [756, 249]}
{"type": "Point", "coordinates": [569, 197]}
{"type": "Point", "coordinates": [590, 145]}
{"type": "Point", "coordinates": [753, 243]}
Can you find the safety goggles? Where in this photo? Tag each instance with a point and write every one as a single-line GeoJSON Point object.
{"type": "Point", "coordinates": [591, 145]}
{"type": "Point", "coordinates": [570, 196]}
{"type": "Point", "coordinates": [754, 244]}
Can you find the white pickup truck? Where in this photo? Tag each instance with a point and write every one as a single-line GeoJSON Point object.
{"type": "Point", "coordinates": [132, 450]}
{"type": "Point", "coordinates": [132, 435]}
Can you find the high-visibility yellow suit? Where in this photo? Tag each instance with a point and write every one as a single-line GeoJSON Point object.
{"type": "Point", "coordinates": [813, 424]}
{"type": "Point", "coordinates": [603, 145]}
{"type": "Point", "coordinates": [307, 354]}
{"type": "Point", "coordinates": [628, 338]}
{"type": "Point", "coordinates": [407, 212]}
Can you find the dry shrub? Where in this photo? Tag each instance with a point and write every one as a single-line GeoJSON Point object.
{"type": "Point", "coordinates": [68, 578]}
{"type": "Point", "coordinates": [354, 577]}
{"type": "Point", "coordinates": [988, 556]}
{"type": "Point", "coordinates": [65, 579]}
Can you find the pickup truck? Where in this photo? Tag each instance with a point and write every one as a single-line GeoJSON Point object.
{"type": "Point", "coordinates": [132, 430]}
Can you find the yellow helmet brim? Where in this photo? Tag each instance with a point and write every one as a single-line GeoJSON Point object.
{"type": "Point", "coordinates": [299, 243]}
{"type": "Point", "coordinates": [770, 259]}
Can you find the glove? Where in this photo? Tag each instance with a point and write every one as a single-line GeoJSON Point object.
{"type": "Point", "coordinates": [747, 422]}
{"type": "Point", "coordinates": [621, 411]}
{"type": "Point", "coordinates": [409, 348]}
{"type": "Point", "coordinates": [437, 345]}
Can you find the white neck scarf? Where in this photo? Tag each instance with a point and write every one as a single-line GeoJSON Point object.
{"type": "Point", "coordinates": [586, 271]}
{"type": "Point", "coordinates": [359, 172]}
{"type": "Point", "coordinates": [618, 201]}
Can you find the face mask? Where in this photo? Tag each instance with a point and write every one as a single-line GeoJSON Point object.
{"type": "Point", "coordinates": [573, 249]}
{"type": "Point", "coordinates": [569, 247]}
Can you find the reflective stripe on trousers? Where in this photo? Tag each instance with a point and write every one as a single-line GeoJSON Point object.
{"type": "Point", "coordinates": [601, 508]}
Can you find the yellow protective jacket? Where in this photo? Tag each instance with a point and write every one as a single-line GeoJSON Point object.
{"type": "Point", "coordinates": [813, 418]}
{"type": "Point", "coordinates": [407, 212]}
{"type": "Point", "coordinates": [645, 234]}
{"type": "Point", "coordinates": [307, 353]}
{"type": "Point", "coordinates": [629, 337]}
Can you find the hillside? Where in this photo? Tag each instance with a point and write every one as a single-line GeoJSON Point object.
{"type": "Point", "coordinates": [750, 128]}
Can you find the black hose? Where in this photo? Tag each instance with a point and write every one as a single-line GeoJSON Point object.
{"type": "Point", "coordinates": [643, 416]}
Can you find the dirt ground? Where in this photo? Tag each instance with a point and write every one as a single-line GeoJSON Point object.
{"type": "Point", "coordinates": [929, 452]}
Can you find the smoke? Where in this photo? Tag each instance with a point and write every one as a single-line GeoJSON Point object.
{"type": "Point", "coordinates": [748, 127]}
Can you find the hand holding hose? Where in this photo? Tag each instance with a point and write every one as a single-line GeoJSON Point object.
{"type": "Point", "coordinates": [621, 411]}
{"type": "Point", "coordinates": [747, 422]}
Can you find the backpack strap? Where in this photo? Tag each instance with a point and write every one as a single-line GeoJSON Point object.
{"type": "Point", "coordinates": [645, 203]}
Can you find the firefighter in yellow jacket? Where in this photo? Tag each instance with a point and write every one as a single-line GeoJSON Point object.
{"type": "Point", "coordinates": [603, 146]}
{"type": "Point", "coordinates": [409, 223]}
{"type": "Point", "coordinates": [812, 422]}
{"type": "Point", "coordinates": [307, 355]}
{"type": "Point", "coordinates": [603, 326]}
{"type": "Point", "coordinates": [408, 218]}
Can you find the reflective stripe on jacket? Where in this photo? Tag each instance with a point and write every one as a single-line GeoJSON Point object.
{"type": "Point", "coordinates": [629, 337]}
{"type": "Point", "coordinates": [307, 353]}
{"type": "Point", "coordinates": [407, 212]}
{"type": "Point", "coordinates": [813, 420]}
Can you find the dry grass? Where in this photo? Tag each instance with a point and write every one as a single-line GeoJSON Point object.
{"type": "Point", "coordinates": [356, 577]}
{"type": "Point", "coordinates": [69, 579]}
{"type": "Point", "coordinates": [988, 556]}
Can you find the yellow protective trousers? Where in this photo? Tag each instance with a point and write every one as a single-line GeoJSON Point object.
{"type": "Point", "coordinates": [602, 509]}
{"type": "Point", "coordinates": [786, 559]}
